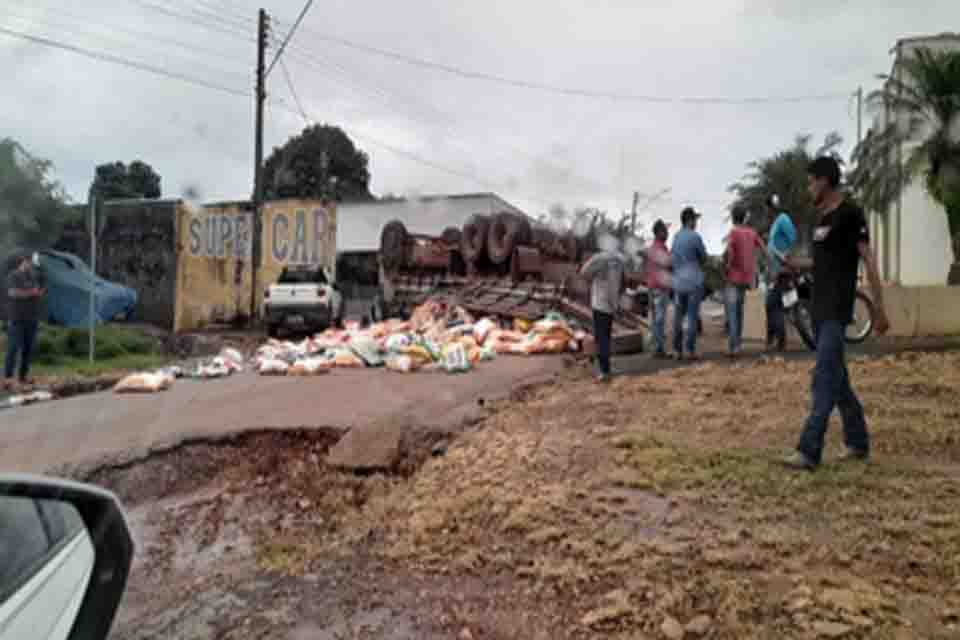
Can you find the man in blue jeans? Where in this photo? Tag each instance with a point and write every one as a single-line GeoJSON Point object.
{"type": "Point", "coordinates": [24, 292]}
{"type": "Point", "coordinates": [840, 241]}
{"type": "Point", "coordinates": [783, 235]}
{"type": "Point", "coordinates": [688, 256]}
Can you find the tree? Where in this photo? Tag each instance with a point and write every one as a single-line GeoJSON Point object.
{"type": "Point", "coordinates": [320, 162]}
{"type": "Point", "coordinates": [783, 174]}
{"type": "Point", "coordinates": [33, 206]}
{"type": "Point", "coordinates": [116, 181]}
{"type": "Point", "coordinates": [924, 103]}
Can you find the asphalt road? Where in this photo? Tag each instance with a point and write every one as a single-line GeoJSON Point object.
{"type": "Point", "coordinates": [106, 428]}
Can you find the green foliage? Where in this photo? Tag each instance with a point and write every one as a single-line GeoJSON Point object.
{"type": "Point", "coordinates": [57, 344]}
{"type": "Point", "coordinates": [321, 162]}
{"type": "Point", "coordinates": [32, 204]}
{"type": "Point", "coordinates": [116, 181]}
{"type": "Point", "coordinates": [783, 174]}
{"type": "Point", "coordinates": [925, 97]}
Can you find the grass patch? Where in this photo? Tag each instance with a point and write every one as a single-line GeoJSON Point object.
{"type": "Point", "coordinates": [82, 367]}
{"type": "Point", "coordinates": [60, 351]}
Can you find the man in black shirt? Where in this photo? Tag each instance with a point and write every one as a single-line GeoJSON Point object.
{"type": "Point", "coordinates": [24, 291]}
{"type": "Point", "coordinates": [840, 241]}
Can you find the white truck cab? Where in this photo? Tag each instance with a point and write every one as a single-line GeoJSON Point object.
{"type": "Point", "coordinates": [303, 299]}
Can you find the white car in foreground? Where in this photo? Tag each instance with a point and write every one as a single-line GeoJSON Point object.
{"type": "Point", "coordinates": [65, 554]}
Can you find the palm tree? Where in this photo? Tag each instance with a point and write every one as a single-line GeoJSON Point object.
{"type": "Point", "coordinates": [924, 101]}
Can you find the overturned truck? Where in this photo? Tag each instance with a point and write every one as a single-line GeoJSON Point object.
{"type": "Point", "coordinates": [501, 266]}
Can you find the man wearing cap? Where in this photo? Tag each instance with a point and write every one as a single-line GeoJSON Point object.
{"type": "Point", "coordinates": [658, 280]}
{"type": "Point", "coordinates": [689, 254]}
{"type": "Point", "coordinates": [24, 291]}
{"type": "Point", "coordinates": [840, 241]}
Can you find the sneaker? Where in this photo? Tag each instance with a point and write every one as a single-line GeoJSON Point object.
{"type": "Point", "coordinates": [799, 462]}
{"type": "Point", "coordinates": [693, 357]}
{"type": "Point", "coordinates": [602, 378]}
{"type": "Point", "coordinates": [854, 455]}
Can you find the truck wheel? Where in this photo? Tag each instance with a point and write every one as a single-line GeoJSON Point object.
{"type": "Point", "coordinates": [273, 330]}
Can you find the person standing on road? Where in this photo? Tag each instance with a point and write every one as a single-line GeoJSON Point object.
{"type": "Point", "coordinates": [658, 280]}
{"type": "Point", "coordinates": [740, 260]}
{"type": "Point", "coordinates": [24, 291]}
{"type": "Point", "coordinates": [783, 235]}
{"type": "Point", "coordinates": [689, 254]}
{"type": "Point", "coordinates": [605, 271]}
{"type": "Point", "coordinates": [840, 241]}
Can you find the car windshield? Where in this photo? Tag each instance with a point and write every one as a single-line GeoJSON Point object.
{"type": "Point", "coordinates": [302, 276]}
{"type": "Point", "coordinates": [453, 320]}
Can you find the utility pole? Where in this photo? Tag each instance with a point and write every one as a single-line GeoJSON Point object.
{"type": "Point", "coordinates": [633, 213]}
{"type": "Point", "coordinates": [859, 114]}
{"type": "Point", "coordinates": [263, 27]}
{"type": "Point", "coordinates": [92, 319]}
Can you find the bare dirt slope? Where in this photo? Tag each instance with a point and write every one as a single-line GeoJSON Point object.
{"type": "Point", "coordinates": [652, 508]}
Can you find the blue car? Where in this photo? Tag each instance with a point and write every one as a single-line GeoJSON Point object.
{"type": "Point", "coordinates": [69, 282]}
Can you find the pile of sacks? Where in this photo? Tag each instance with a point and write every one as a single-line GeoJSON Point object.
{"type": "Point", "coordinates": [227, 363]}
{"type": "Point", "coordinates": [438, 337]}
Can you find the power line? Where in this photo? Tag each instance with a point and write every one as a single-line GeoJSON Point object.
{"type": "Point", "coordinates": [568, 91]}
{"type": "Point", "coordinates": [140, 66]}
{"type": "Point", "coordinates": [293, 92]}
{"type": "Point", "coordinates": [290, 33]}
{"type": "Point", "coordinates": [99, 38]}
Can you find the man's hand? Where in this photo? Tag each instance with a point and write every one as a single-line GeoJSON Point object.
{"type": "Point", "coordinates": [881, 323]}
{"type": "Point", "coordinates": [799, 264]}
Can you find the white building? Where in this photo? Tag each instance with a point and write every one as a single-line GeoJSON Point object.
{"type": "Point", "coordinates": [359, 223]}
{"type": "Point", "coordinates": [912, 240]}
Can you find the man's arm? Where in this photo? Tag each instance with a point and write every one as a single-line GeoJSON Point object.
{"type": "Point", "coordinates": [591, 266]}
{"type": "Point", "coordinates": [881, 322]}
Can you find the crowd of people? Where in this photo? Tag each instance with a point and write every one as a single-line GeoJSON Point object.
{"type": "Point", "coordinates": [675, 276]}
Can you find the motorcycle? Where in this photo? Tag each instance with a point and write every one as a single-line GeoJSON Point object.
{"type": "Point", "coordinates": [797, 296]}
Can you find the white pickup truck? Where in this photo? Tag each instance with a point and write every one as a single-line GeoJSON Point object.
{"type": "Point", "coordinates": [302, 300]}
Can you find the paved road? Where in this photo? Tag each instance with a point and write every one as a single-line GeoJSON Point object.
{"type": "Point", "coordinates": [92, 429]}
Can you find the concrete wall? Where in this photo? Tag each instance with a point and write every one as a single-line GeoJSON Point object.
{"type": "Point", "coordinates": [135, 247]}
{"type": "Point", "coordinates": [912, 311]}
{"type": "Point", "coordinates": [214, 251]}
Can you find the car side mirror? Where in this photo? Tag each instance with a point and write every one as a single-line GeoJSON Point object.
{"type": "Point", "coordinates": [65, 556]}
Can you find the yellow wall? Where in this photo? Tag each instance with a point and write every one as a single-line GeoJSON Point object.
{"type": "Point", "coordinates": [213, 255]}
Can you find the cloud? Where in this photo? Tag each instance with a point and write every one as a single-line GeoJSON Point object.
{"type": "Point", "coordinates": [535, 147]}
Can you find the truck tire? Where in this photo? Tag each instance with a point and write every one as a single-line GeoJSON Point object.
{"type": "Point", "coordinates": [393, 244]}
{"type": "Point", "coordinates": [452, 236]}
{"type": "Point", "coordinates": [473, 241]}
{"type": "Point", "coordinates": [273, 330]}
{"type": "Point", "coordinates": [507, 231]}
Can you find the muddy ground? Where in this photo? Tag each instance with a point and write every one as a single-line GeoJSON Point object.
{"type": "Point", "coordinates": [652, 508]}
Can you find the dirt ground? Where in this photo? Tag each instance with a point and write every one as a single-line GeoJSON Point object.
{"type": "Point", "coordinates": [651, 508]}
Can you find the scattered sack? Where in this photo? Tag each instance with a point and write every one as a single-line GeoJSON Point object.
{"type": "Point", "coordinates": [343, 358]}
{"type": "Point", "coordinates": [273, 368]}
{"type": "Point", "coordinates": [144, 383]}
{"type": "Point", "coordinates": [233, 359]}
{"type": "Point", "coordinates": [397, 342]}
{"type": "Point", "coordinates": [455, 358]}
{"type": "Point", "coordinates": [482, 329]}
{"type": "Point", "coordinates": [368, 350]}
{"type": "Point", "coordinates": [309, 367]}
{"type": "Point", "coordinates": [401, 363]}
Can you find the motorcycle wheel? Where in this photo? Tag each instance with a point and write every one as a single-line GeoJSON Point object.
{"type": "Point", "coordinates": [862, 325]}
{"type": "Point", "coordinates": [803, 321]}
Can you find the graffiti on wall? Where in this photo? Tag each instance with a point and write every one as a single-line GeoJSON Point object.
{"type": "Point", "coordinates": [299, 238]}
{"type": "Point", "coordinates": [217, 234]}
{"type": "Point", "coordinates": [290, 237]}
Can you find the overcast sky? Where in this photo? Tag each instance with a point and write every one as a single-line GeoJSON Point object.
{"type": "Point", "coordinates": [533, 147]}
